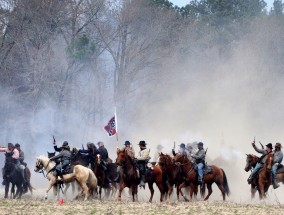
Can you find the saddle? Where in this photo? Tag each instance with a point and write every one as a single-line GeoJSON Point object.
{"type": "Point", "coordinates": [68, 169]}
{"type": "Point", "coordinates": [280, 169]}
{"type": "Point", "coordinates": [206, 169]}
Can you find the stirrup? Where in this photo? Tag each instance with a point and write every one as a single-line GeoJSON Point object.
{"type": "Point", "coordinates": [275, 185]}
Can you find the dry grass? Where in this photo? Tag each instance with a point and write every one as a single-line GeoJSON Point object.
{"type": "Point", "coordinates": [37, 206]}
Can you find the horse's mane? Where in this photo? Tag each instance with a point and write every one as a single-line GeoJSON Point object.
{"type": "Point", "coordinates": [42, 157]}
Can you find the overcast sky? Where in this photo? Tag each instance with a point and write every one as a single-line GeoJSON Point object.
{"type": "Point", "coordinates": [181, 3]}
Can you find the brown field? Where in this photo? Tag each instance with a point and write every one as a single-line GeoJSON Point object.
{"type": "Point", "coordinates": [34, 204]}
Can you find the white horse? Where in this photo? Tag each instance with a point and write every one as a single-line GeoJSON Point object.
{"type": "Point", "coordinates": [83, 175]}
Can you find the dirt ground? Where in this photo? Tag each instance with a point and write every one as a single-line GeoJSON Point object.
{"type": "Point", "coordinates": [35, 204]}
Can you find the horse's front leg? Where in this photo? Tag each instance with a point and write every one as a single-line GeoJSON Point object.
{"type": "Point", "coordinates": [180, 191]}
{"type": "Point", "coordinates": [121, 187]}
{"type": "Point", "coordinates": [51, 184]}
{"type": "Point", "coordinates": [7, 189]}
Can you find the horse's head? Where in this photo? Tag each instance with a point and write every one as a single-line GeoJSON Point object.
{"type": "Point", "coordinates": [164, 159]}
{"type": "Point", "coordinates": [98, 159]}
{"type": "Point", "coordinates": [50, 154]}
{"type": "Point", "coordinates": [179, 158]}
{"type": "Point", "coordinates": [120, 157]}
{"type": "Point", "coordinates": [250, 162]}
{"type": "Point", "coordinates": [39, 164]}
{"type": "Point", "coordinates": [74, 151]}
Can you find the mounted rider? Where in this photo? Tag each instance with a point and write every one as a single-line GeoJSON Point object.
{"type": "Point", "coordinates": [278, 157]}
{"type": "Point", "coordinates": [105, 159]}
{"type": "Point", "coordinates": [21, 154]}
{"type": "Point", "coordinates": [199, 157]}
{"type": "Point", "coordinates": [91, 152]}
{"type": "Point", "coordinates": [65, 160]}
{"type": "Point", "coordinates": [142, 159]}
{"type": "Point", "coordinates": [129, 149]}
{"type": "Point", "coordinates": [261, 160]}
{"type": "Point", "coordinates": [182, 151]}
{"type": "Point", "coordinates": [15, 156]}
{"type": "Point", "coordinates": [65, 144]}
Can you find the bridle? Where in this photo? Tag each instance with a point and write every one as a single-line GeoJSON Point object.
{"type": "Point", "coordinates": [39, 167]}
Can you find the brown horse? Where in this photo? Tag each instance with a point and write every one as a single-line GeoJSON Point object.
{"type": "Point", "coordinates": [264, 179]}
{"type": "Point", "coordinates": [217, 176]}
{"type": "Point", "coordinates": [128, 173]}
{"type": "Point", "coordinates": [100, 173]}
{"type": "Point", "coordinates": [172, 173]}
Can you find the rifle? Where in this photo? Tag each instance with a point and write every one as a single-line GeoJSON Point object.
{"type": "Point", "coordinates": [83, 147]}
{"type": "Point", "coordinates": [174, 145]}
{"type": "Point", "coordinates": [54, 142]}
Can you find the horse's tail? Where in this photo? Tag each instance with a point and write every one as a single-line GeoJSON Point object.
{"type": "Point", "coordinates": [225, 183]}
{"type": "Point", "coordinates": [92, 182]}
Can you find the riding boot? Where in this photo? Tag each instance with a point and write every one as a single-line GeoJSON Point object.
{"type": "Point", "coordinates": [199, 180]}
{"type": "Point", "coordinates": [142, 181]}
{"type": "Point", "coordinates": [251, 177]}
{"type": "Point", "coordinates": [275, 184]}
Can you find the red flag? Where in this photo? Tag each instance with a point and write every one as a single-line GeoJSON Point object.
{"type": "Point", "coordinates": [111, 127]}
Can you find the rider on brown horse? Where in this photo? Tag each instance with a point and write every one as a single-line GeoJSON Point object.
{"type": "Point", "coordinates": [199, 157]}
{"type": "Point", "coordinates": [182, 151]}
{"type": "Point", "coordinates": [105, 159]}
{"type": "Point", "coordinates": [142, 160]}
{"type": "Point", "coordinates": [278, 157]}
{"type": "Point", "coordinates": [261, 161]}
{"type": "Point", "coordinates": [129, 149]}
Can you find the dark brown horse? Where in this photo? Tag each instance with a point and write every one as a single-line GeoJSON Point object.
{"type": "Point", "coordinates": [100, 173]}
{"type": "Point", "coordinates": [217, 176]}
{"type": "Point", "coordinates": [128, 173]}
{"type": "Point", "coordinates": [261, 182]}
{"type": "Point", "coordinates": [172, 173]}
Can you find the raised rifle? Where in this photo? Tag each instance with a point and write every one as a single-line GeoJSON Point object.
{"type": "Point", "coordinates": [83, 147]}
{"type": "Point", "coordinates": [261, 145]}
{"type": "Point", "coordinates": [54, 142]}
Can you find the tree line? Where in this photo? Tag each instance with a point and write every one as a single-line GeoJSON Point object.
{"type": "Point", "coordinates": [88, 56]}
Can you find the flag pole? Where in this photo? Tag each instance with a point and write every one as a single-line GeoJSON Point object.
{"type": "Point", "coordinates": [116, 134]}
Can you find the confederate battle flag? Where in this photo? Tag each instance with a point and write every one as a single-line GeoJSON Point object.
{"type": "Point", "coordinates": [111, 127]}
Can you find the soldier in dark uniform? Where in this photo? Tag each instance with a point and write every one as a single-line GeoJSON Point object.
{"type": "Point", "coordinates": [65, 144]}
{"type": "Point", "coordinates": [105, 159]}
{"type": "Point", "coordinates": [65, 156]}
{"type": "Point", "coordinates": [91, 152]}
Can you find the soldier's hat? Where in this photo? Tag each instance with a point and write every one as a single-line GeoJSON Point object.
{"type": "Point", "coordinates": [17, 145]}
{"type": "Point", "coordinates": [142, 143]}
{"type": "Point", "coordinates": [100, 143]}
{"type": "Point", "coordinates": [269, 145]}
{"type": "Point", "coordinates": [10, 145]}
{"type": "Point", "coordinates": [127, 142]}
{"type": "Point", "coordinates": [65, 143]}
{"type": "Point", "coordinates": [200, 144]}
{"type": "Point", "coordinates": [182, 145]}
{"type": "Point", "coordinates": [278, 145]}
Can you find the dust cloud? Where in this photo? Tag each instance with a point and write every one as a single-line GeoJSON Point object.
{"type": "Point", "coordinates": [222, 101]}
